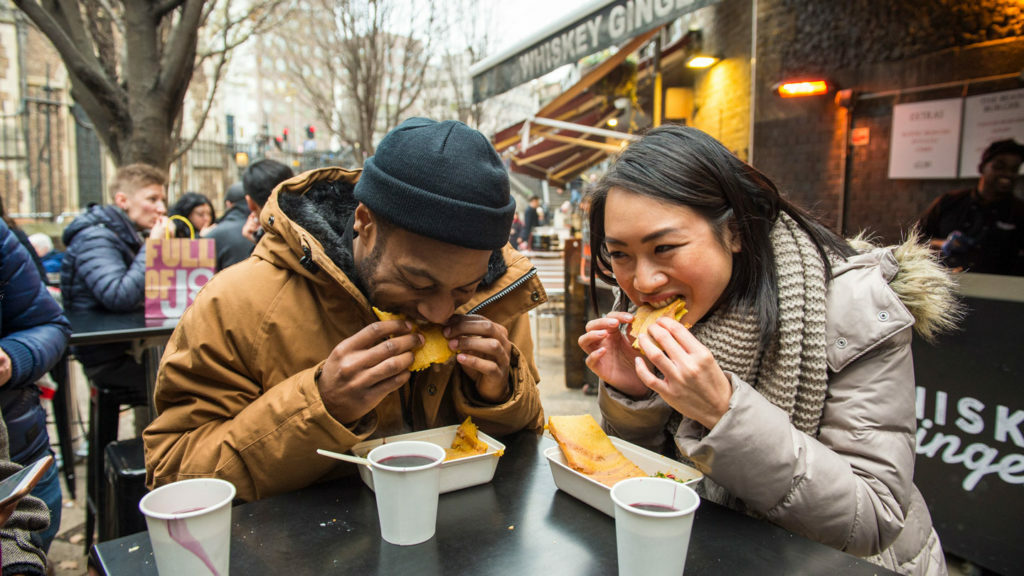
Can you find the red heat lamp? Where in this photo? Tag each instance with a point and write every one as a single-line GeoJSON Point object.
{"type": "Point", "coordinates": [801, 88]}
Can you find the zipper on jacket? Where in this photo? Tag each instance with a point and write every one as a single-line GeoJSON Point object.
{"type": "Point", "coordinates": [505, 291]}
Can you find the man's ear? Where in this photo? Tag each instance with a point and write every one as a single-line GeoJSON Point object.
{"type": "Point", "coordinates": [364, 224]}
{"type": "Point", "coordinates": [121, 200]}
{"type": "Point", "coordinates": [253, 207]}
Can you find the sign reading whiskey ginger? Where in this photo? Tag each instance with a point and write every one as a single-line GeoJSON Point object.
{"type": "Point", "coordinates": [613, 23]}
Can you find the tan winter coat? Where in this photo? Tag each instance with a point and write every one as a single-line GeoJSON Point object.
{"type": "Point", "coordinates": [851, 487]}
{"type": "Point", "coordinates": [236, 394]}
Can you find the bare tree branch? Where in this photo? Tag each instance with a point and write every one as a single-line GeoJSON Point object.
{"type": "Point", "coordinates": [112, 15]}
{"type": "Point", "coordinates": [356, 65]}
{"type": "Point", "coordinates": [209, 8]}
{"type": "Point", "coordinates": [131, 62]}
{"type": "Point", "coordinates": [263, 21]}
{"type": "Point", "coordinates": [161, 9]}
{"type": "Point", "coordinates": [104, 29]}
{"type": "Point", "coordinates": [178, 61]}
{"type": "Point", "coordinates": [80, 66]}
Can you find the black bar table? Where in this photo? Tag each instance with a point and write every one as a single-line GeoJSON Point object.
{"type": "Point", "coordinates": [100, 327]}
{"type": "Point", "coordinates": [95, 327]}
{"type": "Point", "coordinates": [519, 523]}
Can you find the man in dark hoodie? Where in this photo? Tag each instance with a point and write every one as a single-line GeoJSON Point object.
{"type": "Point", "coordinates": [259, 181]}
{"type": "Point", "coordinates": [232, 246]}
{"type": "Point", "coordinates": [104, 267]}
{"type": "Point", "coordinates": [283, 352]}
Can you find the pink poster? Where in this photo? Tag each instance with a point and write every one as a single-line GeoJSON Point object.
{"type": "Point", "coordinates": [176, 268]}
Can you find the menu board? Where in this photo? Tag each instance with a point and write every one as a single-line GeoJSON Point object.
{"type": "Point", "coordinates": [925, 139]}
{"type": "Point", "coordinates": [987, 118]}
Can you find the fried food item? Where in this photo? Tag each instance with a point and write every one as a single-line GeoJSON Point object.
{"type": "Point", "coordinates": [588, 450]}
{"type": "Point", "coordinates": [645, 316]}
{"type": "Point", "coordinates": [466, 442]}
{"type": "Point", "coordinates": [435, 348]}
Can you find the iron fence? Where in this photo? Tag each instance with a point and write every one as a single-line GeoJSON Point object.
{"type": "Point", "coordinates": [52, 162]}
{"type": "Point", "coordinates": [34, 179]}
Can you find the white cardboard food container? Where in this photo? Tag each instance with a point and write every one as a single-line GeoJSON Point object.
{"type": "Point", "coordinates": [598, 495]}
{"type": "Point", "coordinates": [455, 474]}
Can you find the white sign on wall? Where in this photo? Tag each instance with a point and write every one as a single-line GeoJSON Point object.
{"type": "Point", "coordinates": [925, 139]}
{"type": "Point", "coordinates": [987, 118]}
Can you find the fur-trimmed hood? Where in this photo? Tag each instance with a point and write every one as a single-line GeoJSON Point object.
{"type": "Point", "coordinates": [922, 283]}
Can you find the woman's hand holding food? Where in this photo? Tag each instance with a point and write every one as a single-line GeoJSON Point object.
{"type": "Point", "coordinates": [692, 382]}
{"type": "Point", "coordinates": [366, 367]}
{"type": "Point", "coordinates": [484, 352]}
{"type": "Point", "coordinates": [610, 355]}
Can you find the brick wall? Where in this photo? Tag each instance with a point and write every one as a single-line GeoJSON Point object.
{"type": "Point", "coordinates": [869, 46]}
{"type": "Point", "coordinates": [722, 102]}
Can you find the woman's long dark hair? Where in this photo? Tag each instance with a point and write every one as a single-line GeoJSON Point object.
{"type": "Point", "coordinates": [188, 202]}
{"type": "Point", "coordinates": [682, 165]}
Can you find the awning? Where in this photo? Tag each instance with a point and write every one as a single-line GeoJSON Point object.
{"type": "Point", "coordinates": [569, 135]}
{"type": "Point", "coordinates": [563, 138]}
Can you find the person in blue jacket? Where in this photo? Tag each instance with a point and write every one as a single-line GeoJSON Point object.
{"type": "Point", "coordinates": [33, 336]}
{"type": "Point", "coordinates": [104, 267]}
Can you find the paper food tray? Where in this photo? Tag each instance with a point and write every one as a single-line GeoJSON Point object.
{"type": "Point", "coordinates": [455, 474]}
{"type": "Point", "coordinates": [598, 495]}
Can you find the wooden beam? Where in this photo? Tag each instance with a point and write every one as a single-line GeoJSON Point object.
{"type": "Point", "coordinates": [541, 155]}
{"type": "Point", "coordinates": [612, 148]}
{"type": "Point", "coordinates": [580, 166]}
{"type": "Point", "coordinates": [567, 161]}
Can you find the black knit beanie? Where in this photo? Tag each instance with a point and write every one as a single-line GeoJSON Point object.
{"type": "Point", "coordinates": [442, 180]}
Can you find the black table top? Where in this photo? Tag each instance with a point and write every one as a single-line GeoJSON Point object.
{"type": "Point", "coordinates": [519, 523]}
{"type": "Point", "coordinates": [95, 327]}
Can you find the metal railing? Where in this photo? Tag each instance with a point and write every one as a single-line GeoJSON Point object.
{"type": "Point", "coordinates": [52, 165]}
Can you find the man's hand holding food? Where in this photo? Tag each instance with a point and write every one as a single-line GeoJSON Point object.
{"type": "Point", "coordinates": [364, 368]}
{"type": "Point", "coordinates": [484, 351]}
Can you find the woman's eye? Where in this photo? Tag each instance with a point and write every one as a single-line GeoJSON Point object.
{"type": "Point", "coordinates": [664, 248]}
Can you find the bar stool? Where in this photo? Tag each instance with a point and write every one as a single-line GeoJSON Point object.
{"type": "Point", "coordinates": [125, 485]}
{"type": "Point", "coordinates": [62, 399]}
{"type": "Point", "coordinates": [104, 415]}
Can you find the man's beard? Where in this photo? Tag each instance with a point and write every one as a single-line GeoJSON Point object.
{"type": "Point", "coordinates": [367, 270]}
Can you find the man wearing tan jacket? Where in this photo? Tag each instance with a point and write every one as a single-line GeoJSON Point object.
{"type": "Point", "coordinates": [282, 354]}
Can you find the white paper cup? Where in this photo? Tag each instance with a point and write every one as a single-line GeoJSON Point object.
{"type": "Point", "coordinates": [190, 526]}
{"type": "Point", "coordinates": [649, 542]}
{"type": "Point", "coordinates": [406, 495]}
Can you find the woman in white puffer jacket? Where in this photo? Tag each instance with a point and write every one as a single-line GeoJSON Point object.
{"type": "Point", "coordinates": [793, 391]}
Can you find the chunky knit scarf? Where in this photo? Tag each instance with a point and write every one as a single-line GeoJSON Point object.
{"type": "Point", "coordinates": [791, 373]}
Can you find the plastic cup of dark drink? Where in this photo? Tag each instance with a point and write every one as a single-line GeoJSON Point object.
{"type": "Point", "coordinates": [190, 526]}
{"type": "Point", "coordinates": [653, 520]}
{"type": "Point", "coordinates": [406, 480]}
